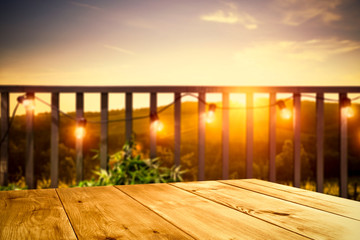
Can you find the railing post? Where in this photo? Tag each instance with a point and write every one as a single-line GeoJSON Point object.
{"type": "Point", "coordinates": [79, 141]}
{"type": "Point", "coordinates": [320, 142]}
{"type": "Point", "coordinates": [54, 158]}
{"type": "Point", "coordinates": [29, 162]}
{"type": "Point", "coordinates": [343, 147]}
{"type": "Point", "coordinates": [249, 134]}
{"type": "Point", "coordinates": [177, 130]}
{"type": "Point", "coordinates": [297, 140]}
{"type": "Point", "coordinates": [104, 131]}
{"type": "Point", "coordinates": [225, 136]}
{"type": "Point", "coordinates": [201, 132]}
{"type": "Point", "coordinates": [5, 144]}
{"type": "Point", "coordinates": [272, 138]}
{"type": "Point", "coordinates": [128, 115]}
{"type": "Point", "coordinates": [153, 109]}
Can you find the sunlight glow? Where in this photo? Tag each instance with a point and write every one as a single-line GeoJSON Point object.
{"type": "Point", "coordinates": [80, 128]}
{"type": "Point", "coordinates": [210, 116]}
{"type": "Point", "coordinates": [80, 132]}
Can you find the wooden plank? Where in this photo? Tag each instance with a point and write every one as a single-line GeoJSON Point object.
{"type": "Point", "coordinates": [54, 157]}
{"type": "Point", "coordinates": [29, 157]}
{"type": "Point", "coordinates": [343, 148]}
{"type": "Point", "coordinates": [320, 142]}
{"type": "Point", "coordinates": [249, 134]}
{"type": "Point", "coordinates": [272, 138]}
{"type": "Point", "coordinates": [171, 89]}
{"type": "Point", "coordinates": [4, 158]}
{"type": "Point", "coordinates": [201, 135]}
{"type": "Point", "coordinates": [344, 207]}
{"type": "Point", "coordinates": [177, 128]}
{"type": "Point", "coordinates": [202, 218]}
{"type": "Point", "coordinates": [104, 131]}
{"type": "Point", "coordinates": [297, 140]}
{"type": "Point", "coordinates": [294, 217]}
{"type": "Point", "coordinates": [128, 116]}
{"type": "Point", "coordinates": [79, 142]}
{"type": "Point", "coordinates": [153, 109]}
{"type": "Point", "coordinates": [107, 213]}
{"type": "Point", "coordinates": [33, 214]}
{"type": "Point", "coordinates": [225, 136]}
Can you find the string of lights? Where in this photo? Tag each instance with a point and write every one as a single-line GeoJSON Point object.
{"type": "Point", "coordinates": [28, 102]}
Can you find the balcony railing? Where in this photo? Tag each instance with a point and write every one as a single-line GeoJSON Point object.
{"type": "Point", "coordinates": [177, 91]}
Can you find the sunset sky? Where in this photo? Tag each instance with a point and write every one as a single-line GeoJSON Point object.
{"type": "Point", "coordinates": [187, 42]}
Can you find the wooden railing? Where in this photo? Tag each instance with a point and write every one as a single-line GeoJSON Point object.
{"type": "Point", "coordinates": [177, 91]}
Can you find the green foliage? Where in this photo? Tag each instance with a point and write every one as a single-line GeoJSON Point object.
{"type": "Point", "coordinates": [128, 167]}
{"type": "Point", "coordinates": [19, 185]}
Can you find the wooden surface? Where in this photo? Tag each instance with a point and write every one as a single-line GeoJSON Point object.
{"type": "Point", "coordinates": [227, 209]}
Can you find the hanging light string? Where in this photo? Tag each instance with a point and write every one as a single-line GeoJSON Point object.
{"type": "Point", "coordinates": [240, 108]}
{"type": "Point", "coordinates": [179, 98]}
{"type": "Point", "coordinates": [279, 103]}
{"type": "Point", "coordinates": [328, 99]}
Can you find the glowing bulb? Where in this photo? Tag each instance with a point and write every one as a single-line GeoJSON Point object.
{"type": "Point", "coordinates": [80, 132]}
{"type": "Point", "coordinates": [27, 101]}
{"type": "Point", "coordinates": [156, 123]}
{"type": "Point", "coordinates": [285, 113]}
{"type": "Point", "coordinates": [210, 116]}
{"type": "Point", "coordinates": [159, 126]}
{"type": "Point", "coordinates": [349, 112]}
{"type": "Point", "coordinates": [29, 104]}
{"type": "Point", "coordinates": [80, 128]}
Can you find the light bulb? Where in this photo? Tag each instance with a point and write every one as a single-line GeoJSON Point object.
{"type": "Point", "coordinates": [80, 128]}
{"type": "Point", "coordinates": [29, 104]}
{"type": "Point", "coordinates": [285, 113]}
{"type": "Point", "coordinates": [159, 126]}
{"type": "Point", "coordinates": [80, 132]}
{"type": "Point", "coordinates": [349, 112]}
{"type": "Point", "coordinates": [210, 116]}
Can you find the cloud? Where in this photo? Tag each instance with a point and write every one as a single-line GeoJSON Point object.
{"type": "Point", "coordinates": [84, 5]}
{"type": "Point", "coordinates": [297, 12]}
{"type": "Point", "coordinates": [318, 50]}
{"type": "Point", "coordinates": [119, 49]}
{"type": "Point", "coordinates": [231, 16]}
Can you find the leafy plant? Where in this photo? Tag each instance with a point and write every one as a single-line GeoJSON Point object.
{"type": "Point", "coordinates": [128, 167]}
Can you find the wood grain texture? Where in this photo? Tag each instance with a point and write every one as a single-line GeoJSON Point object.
{"type": "Point", "coordinates": [295, 217]}
{"type": "Point", "coordinates": [336, 205]}
{"type": "Point", "coordinates": [107, 213]}
{"type": "Point", "coordinates": [33, 214]}
{"type": "Point", "coordinates": [202, 218]}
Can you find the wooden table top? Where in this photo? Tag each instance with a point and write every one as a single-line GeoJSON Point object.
{"type": "Point", "coordinates": [228, 209]}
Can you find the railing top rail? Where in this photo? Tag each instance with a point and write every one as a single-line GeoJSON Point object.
{"type": "Point", "coordinates": [172, 89]}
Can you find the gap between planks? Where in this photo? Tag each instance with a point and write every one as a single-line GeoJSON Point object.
{"type": "Point", "coordinates": [299, 198]}
{"type": "Point", "coordinates": [154, 212]}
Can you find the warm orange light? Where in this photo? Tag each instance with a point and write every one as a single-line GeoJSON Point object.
{"type": "Point", "coordinates": [80, 132]}
{"type": "Point", "coordinates": [156, 123]}
{"type": "Point", "coordinates": [285, 113]}
{"type": "Point", "coordinates": [27, 101]}
{"type": "Point", "coordinates": [80, 128]}
{"type": "Point", "coordinates": [346, 105]}
{"type": "Point", "coordinates": [29, 104]}
{"type": "Point", "coordinates": [210, 116]}
{"type": "Point", "coordinates": [349, 111]}
{"type": "Point", "coordinates": [159, 126]}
